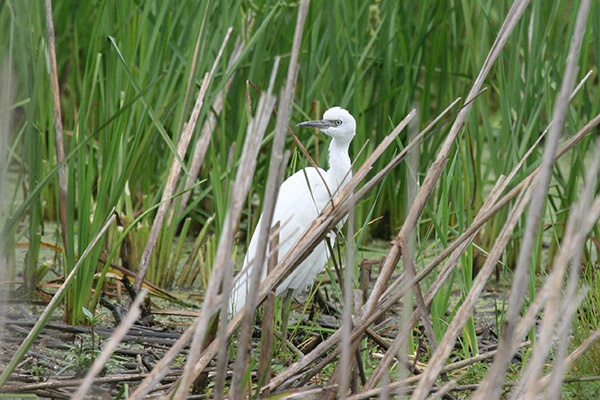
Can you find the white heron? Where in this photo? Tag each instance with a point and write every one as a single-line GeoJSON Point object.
{"type": "Point", "coordinates": [301, 199]}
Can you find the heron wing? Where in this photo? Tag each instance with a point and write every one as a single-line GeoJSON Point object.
{"type": "Point", "coordinates": [301, 198]}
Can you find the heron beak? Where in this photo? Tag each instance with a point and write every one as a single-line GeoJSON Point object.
{"type": "Point", "coordinates": [319, 124]}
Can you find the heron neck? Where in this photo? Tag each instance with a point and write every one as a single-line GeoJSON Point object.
{"type": "Point", "coordinates": [339, 163]}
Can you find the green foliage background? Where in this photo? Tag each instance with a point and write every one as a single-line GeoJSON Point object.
{"type": "Point", "coordinates": [123, 69]}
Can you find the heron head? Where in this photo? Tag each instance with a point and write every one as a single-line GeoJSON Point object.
{"type": "Point", "coordinates": [337, 123]}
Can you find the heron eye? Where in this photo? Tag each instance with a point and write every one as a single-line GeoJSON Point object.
{"type": "Point", "coordinates": [338, 122]}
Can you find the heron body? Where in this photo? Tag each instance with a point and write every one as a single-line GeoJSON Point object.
{"type": "Point", "coordinates": [301, 199]}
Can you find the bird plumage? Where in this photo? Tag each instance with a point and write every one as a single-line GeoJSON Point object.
{"type": "Point", "coordinates": [301, 199]}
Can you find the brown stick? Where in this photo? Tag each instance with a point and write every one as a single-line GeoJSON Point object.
{"type": "Point", "coordinates": [29, 387]}
{"type": "Point", "coordinates": [557, 306]}
{"type": "Point", "coordinates": [7, 89]}
{"type": "Point", "coordinates": [399, 385]}
{"type": "Point", "coordinates": [266, 340]}
{"type": "Point", "coordinates": [182, 146]}
{"type": "Point", "coordinates": [222, 269]}
{"type": "Point", "coordinates": [58, 134]}
{"type": "Point", "coordinates": [207, 130]}
{"type": "Point", "coordinates": [346, 358]}
{"type": "Point", "coordinates": [396, 346]}
{"type": "Point", "coordinates": [271, 193]}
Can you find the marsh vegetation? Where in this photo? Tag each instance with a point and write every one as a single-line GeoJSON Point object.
{"type": "Point", "coordinates": [140, 140]}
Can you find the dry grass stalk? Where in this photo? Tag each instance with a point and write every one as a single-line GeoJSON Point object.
{"type": "Point", "coordinates": [207, 130]}
{"type": "Point", "coordinates": [223, 261]}
{"type": "Point", "coordinates": [493, 381]}
{"type": "Point", "coordinates": [435, 286]}
{"type": "Point", "coordinates": [396, 346]}
{"type": "Point", "coordinates": [564, 330]}
{"type": "Point", "coordinates": [182, 146]}
{"type": "Point", "coordinates": [558, 307]}
{"type": "Point", "coordinates": [58, 132]}
{"type": "Point", "coordinates": [271, 193]}
{"type": "Point", "coordinates": [346, 359]}
{"type": "Point", "coordinates": [116, 338]}
{"type": "Point", "coordinates": [384, 394]}
{"type": "Point", "coordinates": [188, 86]}
{"type": "Point", "coordinates": [402, 385]}
{"type": "Point", "coordinates": [7, 89]}
{"type": "Point", "coordinates": [256, 131]}
{"type": "Point", "coordinates": [267, 329]}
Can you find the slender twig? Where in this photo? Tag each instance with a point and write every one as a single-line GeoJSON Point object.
{"type": "Point", "coordinates": [347, 354]}
{"type": "Point", "coordinates": [445, 273]}
{"type": "Point", "coordinates": [558, 307]}
{"type": "Point", "coordinates": [64, 383]}
{"type": "Point", "coordinates": [6, 97]}
{"type": "Point", "coordinates": [58, 133]}
{"type": "Point", "coordinates": [465, 311]}
{"type": "Point", "coordinates": [189, 83]}
{"type": "Point", "coordinates": [208, 128]}
{"type": "Point", "coordinates": [182, 146]}
{"type": "Point", "coordinates": [267, 331]}
{"type": "Point", "coordinates": [436, 170]}
{"type": "Point", "coordinates": [271, 194]}
{"type": "Point", "coordinates": [223, 263]}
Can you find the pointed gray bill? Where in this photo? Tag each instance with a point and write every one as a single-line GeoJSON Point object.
{"type": "Point", "coordinates": [319, 124]}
